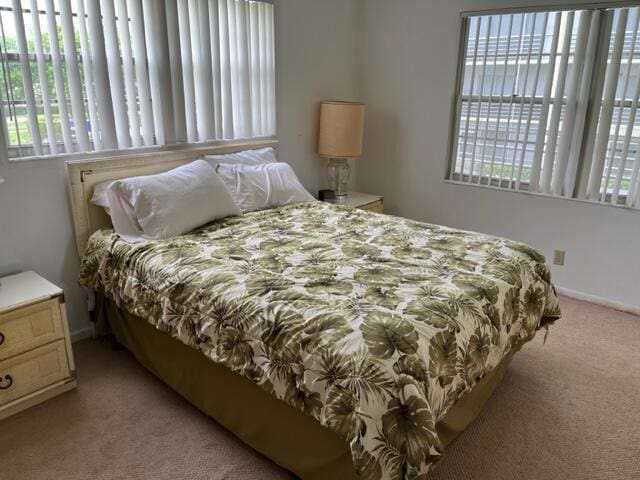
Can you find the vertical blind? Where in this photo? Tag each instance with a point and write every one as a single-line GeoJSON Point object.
{"type": "Point", "coordinates": [84, 75]}
{"type": "Point", "coordinates": [548, 102]}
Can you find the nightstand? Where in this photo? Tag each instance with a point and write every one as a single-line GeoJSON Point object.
{"type": "Point", "coordinates": [364, 201]}
{"type": "Point", "coordinates": [36, 360]}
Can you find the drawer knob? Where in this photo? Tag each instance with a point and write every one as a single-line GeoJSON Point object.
{"type": "Point", "coordinates": [9, 382]}
{"type": "Point", "coordinates": [1, 338]}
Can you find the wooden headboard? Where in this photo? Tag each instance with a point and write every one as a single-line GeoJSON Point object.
{"type": "Point", "coordinates": [84, 175]}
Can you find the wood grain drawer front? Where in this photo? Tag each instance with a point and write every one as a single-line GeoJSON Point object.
{"type": "Point", "coordinates": [30, 327]}
{"type": "Point", "coordinates": [31, 371]}
{"type": "Point", "coordinates": [374, 207]}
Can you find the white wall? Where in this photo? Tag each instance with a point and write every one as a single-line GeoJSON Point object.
{"type": "Point", "coordinates": [315, 59]}
{"type": "Point", "coordinates": [36, 229]}
{"type": "Point", "coordinates": [408, 54]}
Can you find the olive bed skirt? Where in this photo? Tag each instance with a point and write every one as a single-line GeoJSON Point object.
{"type": "Point", "coordinates": [291, 439]}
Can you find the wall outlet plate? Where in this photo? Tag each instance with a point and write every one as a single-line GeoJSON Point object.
{"type": "Point", "coordinates": [558, 257]}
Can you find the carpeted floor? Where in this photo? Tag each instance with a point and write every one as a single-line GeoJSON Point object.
{"type": "Point", "coordinates": [568, 409]}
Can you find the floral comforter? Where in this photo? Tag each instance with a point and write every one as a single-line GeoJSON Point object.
{"type": "Point", "coordinates": [372, 324]}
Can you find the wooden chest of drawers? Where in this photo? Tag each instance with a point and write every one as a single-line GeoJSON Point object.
{"type": "Point", "coordinates": [36, 360]}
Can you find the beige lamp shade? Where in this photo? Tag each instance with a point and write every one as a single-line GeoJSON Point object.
{"type": "Point", "coordinates": [341, 127]}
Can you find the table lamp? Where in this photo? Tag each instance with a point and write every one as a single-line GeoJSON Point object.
{"type": "Point", "coordinates": [340, 138]}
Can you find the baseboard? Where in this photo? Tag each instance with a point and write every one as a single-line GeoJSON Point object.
{"type": "Point", "coordinates": [81, 334]}
{"type": "Point", "coordinates": [587, 297]}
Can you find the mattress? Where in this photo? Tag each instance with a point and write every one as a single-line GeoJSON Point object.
{"type": "Point", "coordinates": [373, 325]}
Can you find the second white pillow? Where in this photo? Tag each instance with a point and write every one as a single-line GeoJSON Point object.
{"type": "Point", "coordinates": [255, 187]}
{"type": "Point", "coordinates": [245, 157]}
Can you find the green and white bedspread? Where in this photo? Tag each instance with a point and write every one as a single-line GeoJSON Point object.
{"type": "Point", "coordinates": [374, 325]}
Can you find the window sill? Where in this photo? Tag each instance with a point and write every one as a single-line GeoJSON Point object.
{"type": "Point", "coordinates": [543, 195]}
{"type": "Point", "coordinates": [128, 151]}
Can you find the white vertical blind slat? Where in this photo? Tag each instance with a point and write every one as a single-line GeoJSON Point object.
{"type": "Point", "coordinates": [627, 141]}
{"type": "Point", "coordinates": [502, 89]}
{"type": "Point", "coordinates": [566, 134]}
{"type": "Point", "coordinates": [198, 63]}
{"type": "Point", "coordinates": [552, 138]}
{"type": "Point", "coordinates": [142, 73]}
{"type": "Point", "coordinates": [204, 72]}
{"type": "Point", "coordinates": [534, 88]}
{"type": "Point", "coordinates": [101, 76]}
{"type": "Point", "coordinates": [491, 87]}
{"type": "Point", "coordinates": [469, 101]}
{"type": "Point", "coordinates": [614, 144]}
{"type": "Point", "coordinates": [458, 108]}
{"type": "Point", "coordinates": [480, 95]}
{"type": "Point", "coordinates": [152, 11]}
{"type": "Point", "coordinates": [534, 182]}
{"type": "Point", "coordinates": [29, 95]}
{"type": "Point", "coordinates": [264, 93]}
{"type": "Point", "coordinates": [215, 67]}
{"type": "Point", "coordinates": [225, 71]}
{"type": "Point", "coordinates": [633, 194]}
{"type": "Point", "coordinates": [73, 76]}
{"type": "Point", "coordinates": [606, 111]}
{"type": "Point", "coordinates": [511, 101]}
{"type": "Point", "coordinates": [254, 62]}
{"type": "Point", "coordinates": [244, 79]}
{"type": "Point", "coordinates": [128, 71]}
{"type": "Point", "coordinates": [187, 71]}
{"type": "Point", "coordinates": [596, 94]}
{"type": "Point", "coordinates": [577, 138]}
{"type": "Point", "coordinates": [56, 63]}
{"type": "Point", "coordinates": [234, 68]}
{"type": "Point", "coordinates": [114, 69]}
{"type": "Point", "coordinates": [4, 138]}
{"type": "Point", "coordinates": [271, 71]}
{"type": "Point", "coordinates": [42, 77]}
{"type": "Point", "coordinates": [87, 69]}
{"type": "Point", "coordinates": [534, 18]}
{"type": "Point", "coordinates": [175, 67]}
{"type": "Point", "coordinates": [633, 198]}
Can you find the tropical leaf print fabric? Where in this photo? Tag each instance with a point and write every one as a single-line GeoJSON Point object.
{"type": "Point", "coordinates": [372, 324]}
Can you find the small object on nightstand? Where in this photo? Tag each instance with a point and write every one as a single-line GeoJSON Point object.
{"type": "Point", "coordinates": [326, 195]}
{"type": "Point", "coordinates": [363, 201]}
{"type": "Point", "coordinates": [36, 359]}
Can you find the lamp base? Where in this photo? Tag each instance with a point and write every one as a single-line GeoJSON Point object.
{"type": "Point", "coordinates": [339, 171]}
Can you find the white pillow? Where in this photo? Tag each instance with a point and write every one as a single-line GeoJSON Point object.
{"type": "Point", "coordinates": [255, 187]}
{"type": "Point", "coordinates": [170, 203]}
{"type": "Point", "coordinates": [246, 157]}
{"type": "Point", "coordinates": [99, 196]}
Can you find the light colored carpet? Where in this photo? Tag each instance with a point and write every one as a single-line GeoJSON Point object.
{"type": "Point", "coordinates": [568, 409]}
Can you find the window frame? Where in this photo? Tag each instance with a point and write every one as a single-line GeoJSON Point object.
{"type": "Point", "coordinates": [488, 182]}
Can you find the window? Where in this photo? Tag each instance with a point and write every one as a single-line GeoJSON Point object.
{"type": "Point", "coordinates": [85, 75]}
{"type": "Point", "coordinates": [547, 102]}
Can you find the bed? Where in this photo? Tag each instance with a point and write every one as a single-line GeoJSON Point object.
{"type": "Point", "coordinates": [338, 342]}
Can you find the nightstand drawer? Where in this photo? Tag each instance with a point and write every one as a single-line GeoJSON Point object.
{"type": "Point", "coordinates": [30, 327]}
{"type": "Point", "coordinates": [377, 207]}
{"type": "Point", "coordinates": [32, 371]}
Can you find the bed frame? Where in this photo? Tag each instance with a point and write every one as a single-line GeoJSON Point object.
{"type": "Point", "coordinates": [84, 175]}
